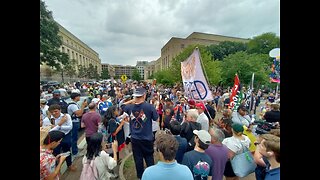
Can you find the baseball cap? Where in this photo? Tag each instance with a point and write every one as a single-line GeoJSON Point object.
{"type": "Point", "coordinates": [191, 102]}
{"type": "Point", "coordinates": [237, 127]}
{"type": "Point", "coordinates": [139, 92]}
{"type": "Point", "coordinates": [203, 135]}
{"type": "Point", "coordinates": [56, 92]}
{"type": "Point", "coordinates": [200, 105]}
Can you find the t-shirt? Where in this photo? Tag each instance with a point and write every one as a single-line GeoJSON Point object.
{"type": "Point", "coordinates": [141, 116]}
{"type": "Point", "coordinates": [272, 116]}
{"type": "Point", "coordinates": [167, 171]}
{"type": "Point", "coordinates": [182, 148]}
{"type": "Point", "coordinates": [199, 163]}
{"type": "Point", "coordinates": [91, 121]}
{"type": "Point", "coordinates": [244, 120]}
{"type": "Point", "coordinates": [236, 145]}
{"type": "Point", "coordinates": [73, 108]}
{"type": "Point", "coordinates": [104, 164]}
{"type": "Point", "coordinates": [273, 174]}
{"type": "Point", "coordinates": [219, 156]}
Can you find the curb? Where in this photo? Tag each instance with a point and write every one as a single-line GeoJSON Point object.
{"type": "Point", "coordinates": [121, 176]}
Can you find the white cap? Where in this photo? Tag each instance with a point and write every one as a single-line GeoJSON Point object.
{"type": "Point", "coordinates": [203, 135]}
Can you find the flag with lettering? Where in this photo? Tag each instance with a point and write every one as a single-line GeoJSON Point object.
{"type": "Point", "coordinates": [194, 83]}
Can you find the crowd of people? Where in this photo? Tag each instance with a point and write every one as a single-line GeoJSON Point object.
{"type": "Point", "coordinates": [191, 139]}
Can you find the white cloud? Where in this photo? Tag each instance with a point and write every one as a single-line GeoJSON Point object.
{"type": "Point", "coordinates": [122, 32]}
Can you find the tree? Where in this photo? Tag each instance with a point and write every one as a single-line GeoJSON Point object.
{"type": "Point", "coordinates": [135, 75]}
{"type": "Point", "coordinates": [225, 48]}
{"type": "Point", "coordinates": [68, 69]}
{"type": "Point", "coordinates": [50, 41]}
{"type": "Point", "coordinates": [92, 72]}
{"type": "Point", "coordinates": [263, 43]}
{"type": "Point", "coordinates": [164, 77]}
{"type": "Point", "coordinates": [82, 71]}
{"type": "Point", "coordinates": [105, 74]}
{"type": "Point", "coordinates": [245, 64]}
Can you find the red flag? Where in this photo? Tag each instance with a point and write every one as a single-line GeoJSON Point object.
{"type": "Point", "coordinates": [234, 91]}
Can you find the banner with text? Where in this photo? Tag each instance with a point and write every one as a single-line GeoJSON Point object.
{"type": "Point", "coordinates": [194, 82]}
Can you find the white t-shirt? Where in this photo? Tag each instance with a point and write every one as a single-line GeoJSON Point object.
{"type": "Point", "coordinates": [104, 163]}
{"type": "Point", "coordinates": [236, 145]}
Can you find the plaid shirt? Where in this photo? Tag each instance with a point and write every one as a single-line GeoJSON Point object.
{"type": "Point", "coordinates": [47, 163]}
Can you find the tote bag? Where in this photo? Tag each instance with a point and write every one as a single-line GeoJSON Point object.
{"type": "Point", "coordinates": [243, 164]}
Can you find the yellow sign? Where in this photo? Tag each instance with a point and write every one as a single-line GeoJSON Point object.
{"type": "Point", "coordinates": [124, 78]}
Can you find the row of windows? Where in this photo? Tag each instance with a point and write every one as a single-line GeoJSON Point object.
{"type": "Point", "coordinates": [78, 47]}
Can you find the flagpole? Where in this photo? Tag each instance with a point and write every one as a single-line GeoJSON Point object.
{"type": "Point", "coordinates": [204, 70]}
{"type": "Point", "coordinates": [252, 79]}
{"type": "Point", "coordinates": [277, 90]}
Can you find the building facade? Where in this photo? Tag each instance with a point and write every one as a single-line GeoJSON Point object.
{"type": "Point", "coordinates": [77, 50]}
{"type": "Point", "coordinates": [141, 65]}
{"type": "Point", "coordinates": [121, 70]}
{"type": "Point", "coordinates": [149, 70]}
{"type": "Point", "coordinates": [176, 45]}
{"type": "Point", "coordinates": [110, 68]}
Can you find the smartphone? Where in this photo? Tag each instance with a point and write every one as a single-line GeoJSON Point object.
{"type": "Point", "coordinates": [65, 154]}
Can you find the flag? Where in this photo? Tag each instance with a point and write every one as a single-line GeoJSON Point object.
{"type": "Point", "coordinates": [248, 99]}
{"type": "Point", "coordinates": [234, 91]}
{"type": "Point", "coordinates": [194, 82]}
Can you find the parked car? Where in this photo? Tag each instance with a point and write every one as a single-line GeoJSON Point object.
{"type": "Point", "coordinates": [49, 84]}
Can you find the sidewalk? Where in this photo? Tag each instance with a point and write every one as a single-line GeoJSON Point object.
{"type": "Point", "coordinates": [82, 145]}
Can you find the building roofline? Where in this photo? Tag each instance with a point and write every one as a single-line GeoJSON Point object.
{"type": "Point", "coordinates": [216, 35]}
{"type": "Point", "coordinates": [60, 26]}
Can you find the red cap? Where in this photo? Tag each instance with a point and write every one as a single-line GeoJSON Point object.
{"type": "Point", "coordinates": [200, 105]}
{"type": "Point", "coordinates": [191, 102]}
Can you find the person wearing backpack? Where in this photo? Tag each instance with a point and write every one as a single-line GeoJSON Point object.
{"type": "Point", "coordinates": [97, 163]}
{"type": "Point", "coordinates": [76, 113]}
{"type": "Point", "coordinates": [56, 99]}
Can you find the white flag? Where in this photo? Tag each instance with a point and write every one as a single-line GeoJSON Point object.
{"type": "Point", "coordinates": [194, 82]}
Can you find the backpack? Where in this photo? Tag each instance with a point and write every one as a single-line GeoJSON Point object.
{"type": "Point", "coordinates": [73, 115]}
{"type": "Point", "coordinates": [64, 106]}
{"type": "Point", "coordinates": [89, 171]}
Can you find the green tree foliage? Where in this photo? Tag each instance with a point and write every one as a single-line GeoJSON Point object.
{"type": "Point", "coordinates": [50, 41]}
{"type": "Point", "coordinates": [245, 64]}
{"type": "Point", "coordinates": [136, 75]}
{"type": "Point", "coordinates": [105, 74]}
{"type": "Point", "coordinates": [164, 77]}
{"type": "Point", "coordinates": [70, 68]}
{"type": "Point", "coordinates": [92, 72]}
{"type": "Point", "coordinates": [264, 43]}
{"type": "Point", "coordinates": [225, 48]}
{"type": "Point", "coordinates": [67, 69]}
{"type": "Point", "coordinates": [82, 71]}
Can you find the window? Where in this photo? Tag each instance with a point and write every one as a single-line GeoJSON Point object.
{"type": "Point", "coordinates": [62, 49]}
{"type": "Point", "coordinates": [182, 46]}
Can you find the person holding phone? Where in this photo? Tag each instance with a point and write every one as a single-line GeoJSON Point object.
{"type": "Point", "coordinates": [48, 168]}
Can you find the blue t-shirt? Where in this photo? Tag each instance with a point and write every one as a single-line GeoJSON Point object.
{"type": "Point", "coordinates": [273, 174]}
{"type": "Point", "coordinates": [181, 149]}
{"type": "Point", "coordinates": [199, 163]}
{"type": "Point", "coordinates": [167, 171]}
{"type": "Point", "coordinates": [141, 116]}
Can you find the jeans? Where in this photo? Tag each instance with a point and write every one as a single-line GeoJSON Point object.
{"type": "Point", "coordinates": [74, 138]}
{"type": "Point", "coordinates": [65, 145]}
{"type": "Point", "coordinates": [142, 149]}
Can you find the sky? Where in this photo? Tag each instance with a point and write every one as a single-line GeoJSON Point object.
{"type": "Point", "coordinates": [126, 31]}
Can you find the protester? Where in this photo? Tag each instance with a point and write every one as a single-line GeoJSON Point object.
{"type": "Point", "coordinates": [167, 167]}
{"type": "Point", "coordinates": [90, 121]}
{"type": "Point", "coordinates": [49, 168]}
{"type": "Point", "coordinates": [199, 163]}
{"type": "Point", "coordinates": [141, 116]}
{"type": "Point", "coordinates": [175, 129]}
